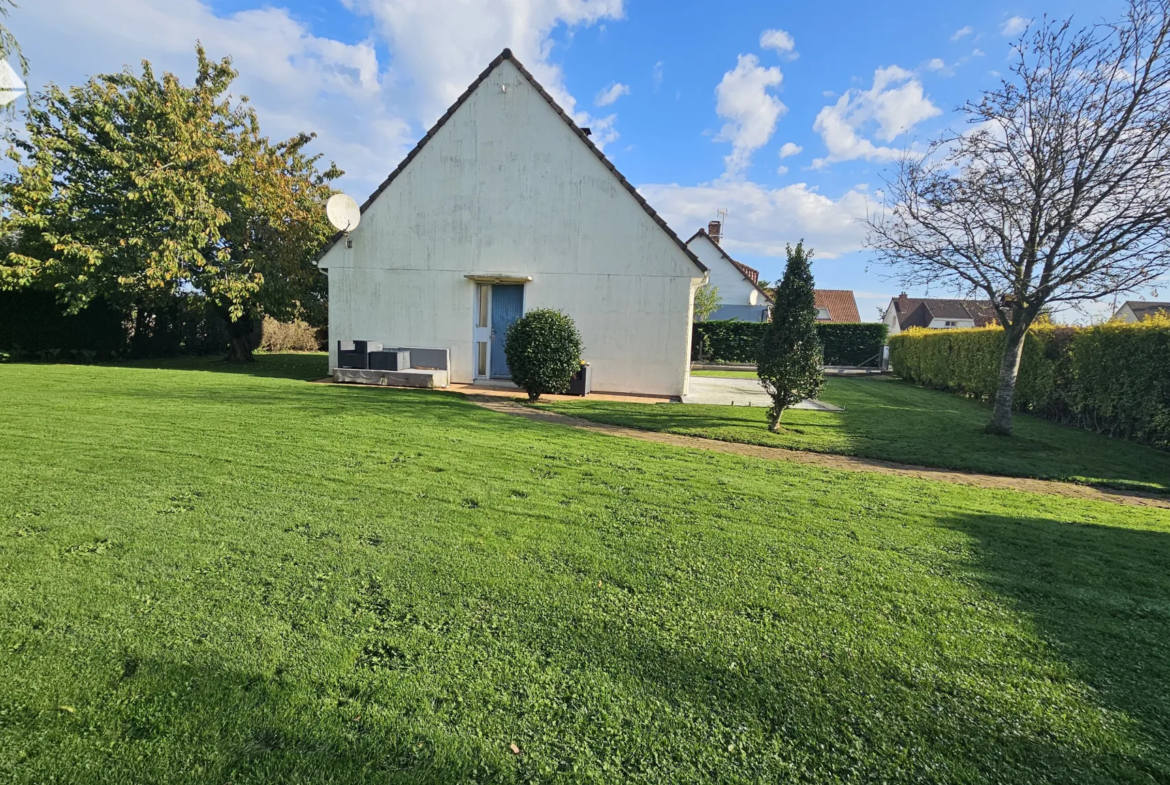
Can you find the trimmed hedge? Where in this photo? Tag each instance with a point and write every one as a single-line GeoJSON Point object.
{"type": "Point", "coordinates": [1113, 379]}
{"type": "Point", "coordinates": [852, 343]}
{"type": "Point", "coordinates": [543, 350]}
{"type": "Point", "coordinates": [32, 326]}
{"type": "Point", "coordinates": [736, 342]}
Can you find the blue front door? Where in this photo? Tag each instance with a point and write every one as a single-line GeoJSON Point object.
{"type": "Point", "coordinates": [507, 307]}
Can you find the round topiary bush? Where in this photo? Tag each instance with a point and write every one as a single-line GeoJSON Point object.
{"type": "Point", "coordinates": [543, 349]}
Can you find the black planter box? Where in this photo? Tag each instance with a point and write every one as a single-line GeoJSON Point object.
{"type": "Point", "coordinates": [389, 360]}
{"type": "Point", "coordinates": [582, 382]}
{"type": "Point", "coordinates": [352, 354]}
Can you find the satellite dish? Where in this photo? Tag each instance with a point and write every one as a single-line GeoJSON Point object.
{"type": "Point", "coordinates": [343, 212]}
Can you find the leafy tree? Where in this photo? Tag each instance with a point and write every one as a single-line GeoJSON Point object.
{"type": "Point", "coordinates": [707, 302]}
{"type": "Point", "coordinates": [1059, 192]}
{"type": "Point", "coordinates": [8, 43]}
{"type": "Point", "coordinates": [543, 350]}
{"type": "Point", "coordinates": [137, 189]}
{"type": "Point", "coordinates": [790, 351]}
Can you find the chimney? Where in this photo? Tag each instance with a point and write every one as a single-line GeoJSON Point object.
{"type": "Point", "coordinates": [715, 231]}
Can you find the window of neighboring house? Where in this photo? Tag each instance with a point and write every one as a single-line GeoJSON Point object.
{"type": "Point", "coordinates": [823, 313]}
{"type": "Point", "coordinates": [950, 324]}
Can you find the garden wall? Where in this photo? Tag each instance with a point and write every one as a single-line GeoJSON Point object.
{"type": "Point", "coordinates": [1113, 379]}
{"type": "Point", "coordinates": [736, 342]}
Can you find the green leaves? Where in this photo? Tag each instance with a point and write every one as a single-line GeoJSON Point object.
{"type": "Point", "coordinates": [1111, 378]}
{"type": "Point", "coordinates": [707, 302]}
{"type": "Point", "coordinates": [136, 188]}
{"type": "Point", "coordinates": [543, 350]}
{"type": "Point", "coordinates": [790, 353]}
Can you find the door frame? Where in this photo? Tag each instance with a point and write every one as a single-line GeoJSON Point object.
{"type": "Point", "coordinates": [481, 366]}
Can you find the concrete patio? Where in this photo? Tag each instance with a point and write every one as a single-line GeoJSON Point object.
{"type": "Point", "coordinates": [740, 392]}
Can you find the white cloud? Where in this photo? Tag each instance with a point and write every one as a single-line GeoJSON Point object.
{"type": "Point", "coordinates": [367, 113]}
{"type": "Point", "coordinates": [781, 170]}
{"type": "Point", "coordinates": [767, 218]}
{"type": "Point", "coordinates": [779, 41]}
{"type": "Point", "coordinates": [936, 64]}
{"type": "Point", "coordinates": [656, 75]}
{"type": "Point", "coordinates": [1014, 26]}
{"type": "Point", "coordinates": [296, 81]}
{"type": "Point", "coordinates": [963, 32]}
{"type": "Point", "coordinates": [611, 94]}
{"type": "Point", "coordinates": [743, 99]}
{"type": "Point", "coordinates": [895, 104]}
{"type": "Point", "coordinates": [977, 53]}
{"type": "Point", "coordinates": [442, 45]}
{"type": "Point", "coordinates": [790, 149]}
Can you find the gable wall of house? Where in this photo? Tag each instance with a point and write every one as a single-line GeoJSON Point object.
{"type": "Point", "coordinates": [891, 319]}
{"type": "Point", "coordinates": [734, 289]}
{"type": "Point", "coordinates": [507, 187]}
{"type": "Point", "coordinates": [741, 300]}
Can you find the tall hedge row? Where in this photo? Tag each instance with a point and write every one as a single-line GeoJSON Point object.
{"type": "Point", "coordinates": [1113, 378]}
{"type": "Point", "coordinates": [736, 342]}
{"type": "Point", "coordinates": [33, 327]}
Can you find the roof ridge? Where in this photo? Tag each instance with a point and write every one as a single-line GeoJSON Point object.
{"type": "Point", "coordinates": [506, 54]}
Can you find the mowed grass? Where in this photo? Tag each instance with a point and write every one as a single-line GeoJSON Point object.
{"type": "Point", "coordinates": [893, 420]}
{"type": "Point", "coordinates": [211, 577]}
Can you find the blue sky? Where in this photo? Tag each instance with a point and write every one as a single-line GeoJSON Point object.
{"type": "Point", "coordinates": [694, 102]}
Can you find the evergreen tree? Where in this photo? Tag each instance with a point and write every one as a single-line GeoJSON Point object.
{"type": "Point", "coordinates": [790, 351]}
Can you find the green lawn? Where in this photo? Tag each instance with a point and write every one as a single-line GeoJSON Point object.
{"type": "Point", "coordinates": [213, 577]}
{"type": "Point", "coordinates": [893, 420]}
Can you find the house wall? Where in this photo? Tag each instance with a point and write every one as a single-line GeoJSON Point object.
{"type": "Point", "coordinates": [506, 187]}
{"type": "Point", "coordinates": [1126, 314]}
{"type": "Point", "coordinates": [959, 324]}
{"type": "Point", "coordinates": [891, 320]}
{"type": "Point", "coordinates": [740, 299]}
{"type": "Point", "coordinates": [734, 289]}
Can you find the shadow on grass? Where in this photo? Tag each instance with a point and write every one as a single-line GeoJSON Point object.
{"type": "Point", "coordinates": [818, 707]}
{"type": "Point", "coordinates": [303, 366]}
{"type": "Point", "coordinates": [1100, 598]}
{"type": "Point", "coordinates": [217, 725]}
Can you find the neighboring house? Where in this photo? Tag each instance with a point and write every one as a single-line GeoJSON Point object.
{"type": "Point", "coordinates": [738, 284]}
{"type": "Point", "coordinates": [1137, 310]}
{"type": "Point", "coordinates": [836, 305]}
{"type": "Point", "coordinates": [936, 314]}
{"type": "Point", "coordinates": [506, 206]}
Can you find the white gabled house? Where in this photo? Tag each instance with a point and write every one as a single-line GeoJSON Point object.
{"type": "Point", "coordinates": [1137, 310]}
{"type": "Point", "coordinates": [505, 206]}
{"type": "Point", "coordinates": [739, 288]}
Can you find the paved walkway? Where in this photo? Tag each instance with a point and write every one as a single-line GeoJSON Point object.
{"type": "Point", "coordinates": [721, 391]}
{"type": "Point", "coordinates": [840, 462]}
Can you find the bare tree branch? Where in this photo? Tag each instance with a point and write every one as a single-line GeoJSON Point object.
{"type": "Point", "coordinates": [1059, 189]}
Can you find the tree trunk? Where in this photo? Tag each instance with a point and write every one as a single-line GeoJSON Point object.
{"type": "Point", "coordinates": [774, 420]}
{"type": "Point", "coordinates": [240, 337]}
{"type": "Point", "coordinates": [1009, 372]}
